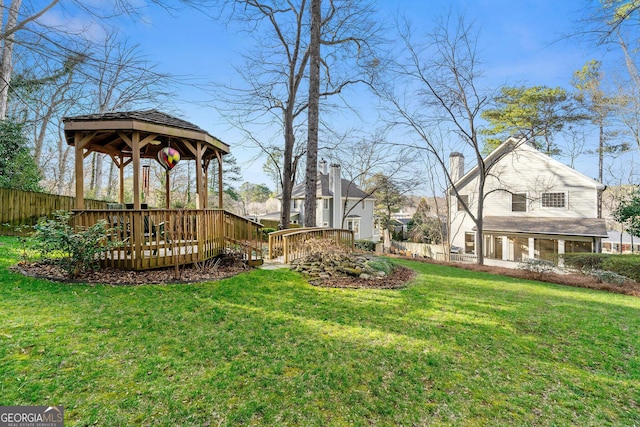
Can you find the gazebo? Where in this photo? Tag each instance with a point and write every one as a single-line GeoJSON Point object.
{"type": "Point", "coordinates": [158, 237]}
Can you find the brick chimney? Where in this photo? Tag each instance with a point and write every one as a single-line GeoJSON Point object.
{"type": "Point", "coordinates": [456, 166]}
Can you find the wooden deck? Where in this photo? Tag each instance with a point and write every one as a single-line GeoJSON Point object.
{"type": "Point", "coordinates": [168, 237]}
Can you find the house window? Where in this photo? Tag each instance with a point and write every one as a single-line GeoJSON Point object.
{"type": "Point", "coordinates": [296, 203]}
{"type": "Point", "coordinates": [518, 202]}
{"type": "Point", "coordinates": [469, 243]}
{"type": "Point", "coordinates": [553, 200]}
{"type": "Point", "coordinates": [362, 205]}
{"type": "Point", "coordinates": [354, 225]}
{"type": "Point", "coordinates": [325, 203]}
{"type": "Point", "coordinates": [463, 198]}
{"type": "Point", "coordinates": [571, 246]}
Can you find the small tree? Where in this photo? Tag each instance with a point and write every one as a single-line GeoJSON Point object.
{"type": "Point", "coordinates": [17, 168]}
{"type": "Point", "coordinates": [425, 226]}
{"type": "Point", "coordinates": [628, 213]}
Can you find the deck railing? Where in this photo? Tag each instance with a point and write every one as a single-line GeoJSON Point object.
{"type": "Point", "coordinates": [291, 243]}
{"type": "Point", "coordinates": [145, 239]}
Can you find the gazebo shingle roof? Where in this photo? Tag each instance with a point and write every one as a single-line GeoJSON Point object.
{"type": "Point", "coordinates": [149, 116]}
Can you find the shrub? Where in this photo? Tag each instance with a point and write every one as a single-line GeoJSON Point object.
{"type": "Point", "coordinates": [537, 266]}
{"type": "Point", "coordinates": [80, 249]}
{"type": "Point", "coordinates": [265, 233]}
{"type": "Point", "coordinates": [380, 264]}
{"type": "Point", "coordinates": [604, 276]}
{"type": "Point", "coordinates": [365, 245]}
{"type": "Point", "coordinates": [625, 265]}
{"type": "Point", "coordinates": [585, 261]}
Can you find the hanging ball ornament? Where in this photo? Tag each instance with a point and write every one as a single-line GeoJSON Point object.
{"type": "Point", "coordinates": [168, 157]}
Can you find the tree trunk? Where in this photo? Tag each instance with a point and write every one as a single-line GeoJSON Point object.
{"type": "Point", "coordinates": [600, 168]}
{"type": "Point", "coordinates": [287, 169]}
{"type": "Point", "coordinates": [6, 66]}
{"type": "Point", "coordinates": [313, 112]}
{"type": "Point", "coordinates": [480, 218]}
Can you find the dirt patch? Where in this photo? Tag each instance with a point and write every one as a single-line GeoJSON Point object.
{"type": "Point", "coordinates": [109, 276]}
{"type": "Point", "coordinates": [570, 279]}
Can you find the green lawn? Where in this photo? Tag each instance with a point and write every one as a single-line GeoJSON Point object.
{"type": "Point", "coordinates": [265, 348]}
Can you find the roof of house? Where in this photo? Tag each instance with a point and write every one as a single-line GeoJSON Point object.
{"type": "Point", "coordinates": [511, 144]}
{"type": "Point", "coordinates": [584, 227]}
{"type": "Point", "coordinates": [349, 189]}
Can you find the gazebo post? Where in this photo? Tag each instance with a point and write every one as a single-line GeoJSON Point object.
{"type": "Point", "coordinates": [199, 176]}
{"type": "Point", "coordinates": [206, 182]}
{"type": "Point", "coordinates": [220, 192]}
{"type": "Point", "coordinates": [135, 155]}
{"type": "Point", "coordinates": [121, 176]}
{"type": "Point", "coordinates": [77, 139]}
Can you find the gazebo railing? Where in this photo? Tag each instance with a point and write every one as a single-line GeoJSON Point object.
{"type": "Point", "coordinates": [157, 238]}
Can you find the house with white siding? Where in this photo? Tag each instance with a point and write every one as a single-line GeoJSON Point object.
{"type": "Point", "coordinates": [340, 203]}
{"type": "Point", "coordinates": [534, 206]}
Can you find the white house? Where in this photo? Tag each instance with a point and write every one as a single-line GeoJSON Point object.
{"type": "Point", "coordinates": [340, 203]}
{"type": "Point", "coordinates": [620, 243]}
{"type": "Point", "coordinates": [535, 206]}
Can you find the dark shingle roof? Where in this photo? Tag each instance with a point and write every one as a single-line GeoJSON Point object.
{"type": "Point", "coordinates": [149, 116]}
{"type": "Point", "coordinates": [586, 227]}
{"type": "Point", "coordinates": [349, 189]}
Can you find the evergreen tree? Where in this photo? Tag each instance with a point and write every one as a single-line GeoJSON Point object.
{"type": "Point", "coordinates": [17, 167]}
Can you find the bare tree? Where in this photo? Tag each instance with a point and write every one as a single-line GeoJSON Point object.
{"type": "Point", "coordinates": [14, 22]}
{"type": "Point", "coordinates": [443, 75]}
{"type": "Point", "coordinates": [275, 73]}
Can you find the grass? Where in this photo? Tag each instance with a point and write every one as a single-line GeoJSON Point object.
{"type": "Point", "coordinates": [265, 348]}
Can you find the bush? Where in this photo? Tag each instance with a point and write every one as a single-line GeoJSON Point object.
{"type": "Point", "coordinates": [585, 261]}
{"type": "Point", "coordinates": [265, 233]}
{"type": "Point", "coordinates": [537, 266]}
{"type": "Point", "coordinates": [625, 265]}
{"type": "Point", "coordinates": [80, 249]}
{"type": "Point", "coordinates": [604, 276]}
{"type": "Point", "coordinates": [380, 264]}
{"type": "Point", "coordinates": [365, 245]}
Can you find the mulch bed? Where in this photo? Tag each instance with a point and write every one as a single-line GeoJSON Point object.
{"type": "Point", "coordinates": [570, 279]}
{"type": "Point", "coordinates": [397, 279]}
{"type": "Point", "coordinates": [110, 276]}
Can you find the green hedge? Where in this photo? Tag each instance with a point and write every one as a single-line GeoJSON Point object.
{"type": "Point", "coordinates": [626, 265]}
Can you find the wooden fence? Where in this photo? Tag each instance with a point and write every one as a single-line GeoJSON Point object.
{"type": "Point", "coordinates": [290, 243]}
{"type": "Point", "coordinates": [19, 210]}
{"type": "Point", "coordinates": [426, 250]}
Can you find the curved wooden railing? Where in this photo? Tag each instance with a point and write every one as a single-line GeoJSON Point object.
{"type": "Point", "coordinates": [168, 237]}
{"type": "Point", "coordinates": [290, 244]}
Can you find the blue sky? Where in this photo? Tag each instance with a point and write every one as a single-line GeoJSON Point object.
{"type": "Point", "coordinates": [521, 44]}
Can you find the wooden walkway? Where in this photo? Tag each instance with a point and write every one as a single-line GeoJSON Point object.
{"type": "Point", "coordinates": [290, 244]}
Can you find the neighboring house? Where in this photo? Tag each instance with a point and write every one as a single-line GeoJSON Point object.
{"type": "Point", "coordinates": [339, 204]}
{"type": "Point", "coordinates": [535, 206]}
{"type": "Point", "coordinates": [620, 243]}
